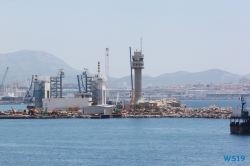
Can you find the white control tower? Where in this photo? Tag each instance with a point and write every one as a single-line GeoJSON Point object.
{"type": "Point", "coordinates": [137, 65]}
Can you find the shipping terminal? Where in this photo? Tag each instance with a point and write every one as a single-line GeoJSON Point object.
{"type": "Point", "coordinates": [92, 99]}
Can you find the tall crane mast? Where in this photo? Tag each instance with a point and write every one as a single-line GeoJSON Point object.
{"type": "Point", "coordinates": [81, 86]}
{"type": "Point", "coordinates": [2, 84]}
{"type": "Point", "coordinates": [30, 92]}
{"type": "Point", "coordinates": [107, 71]}
{"type": "Point", "coordinates": [117, 98]}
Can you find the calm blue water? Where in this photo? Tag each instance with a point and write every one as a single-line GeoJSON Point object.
{"type": "Point", "coordinates": [166, 141]}
{"type": "Point", "coordinates": [159, 141]}
{"type": "Point", "coordinates": [14, 106]}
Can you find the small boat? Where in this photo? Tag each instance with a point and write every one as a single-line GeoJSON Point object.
{"type": "Point", "coordinates": [240, 119]}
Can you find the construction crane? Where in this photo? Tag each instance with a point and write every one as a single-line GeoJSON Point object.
{"type": "Point", "coordinates": [30, 95]}
{"type": "Point", "coordinates": [117, 98]}
{"type": "Point", "coordinates": [107, 71]}
{"type": "Point", "coordinates": [84, 81]}
{"type": "Point", "coordinates": [81, 84]}
{"type": "Point", "coordinates": [132, 87]}
{"type": "Point", "coordinates": [2, 84]}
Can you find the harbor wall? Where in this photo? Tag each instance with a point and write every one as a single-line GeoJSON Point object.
{"type": "Point", "coordinates": [64, 103]}
{"type": "Point", "coordinates": [98, 109]}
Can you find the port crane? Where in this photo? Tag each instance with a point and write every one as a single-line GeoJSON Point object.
{"type": "Point", "coordinates": [2, 84]}
{"type": "Point", "coordinates": [30, 95]}
{"type": "Point", "coordinates": [81, 84]}
{"type": "Point", "coordinates": [117, 98]}
{"type": "Point", "coordinates": [84, 82]}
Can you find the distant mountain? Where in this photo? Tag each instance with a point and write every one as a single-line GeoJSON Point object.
{"type": "Point", "coordinates": [247, 76]}
{"type": "Point", "coordinates": [23, 64]}
{"type": "Point", "coordinates": [214, 76]}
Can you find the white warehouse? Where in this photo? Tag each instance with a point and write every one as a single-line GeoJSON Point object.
{"type": "Point", "coordinates": [80, 100]}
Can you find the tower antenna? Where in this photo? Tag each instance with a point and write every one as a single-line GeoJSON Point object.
{"type": "Point", "coordinates": [107, 72]}
{"type": "Point", "coordinates": [141, 44]}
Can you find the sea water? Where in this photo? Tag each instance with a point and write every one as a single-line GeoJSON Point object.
{"type": "Point", "coordinates": [13, 106]}
{"type": "Point", "coordinates": [138, 141]}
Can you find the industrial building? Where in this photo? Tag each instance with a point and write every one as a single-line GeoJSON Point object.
{"type": "Point", "coordinates": [94, 93]}
{"type": "Point", "coordinates": [41, 89]}
{"type": "Point", "coordinates": [99, 89]}
{"type": "Point", "coordinates": [97, 85]}
{"type": "Point", "coordinates": [79, 101]}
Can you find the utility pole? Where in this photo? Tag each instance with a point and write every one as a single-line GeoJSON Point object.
{"type": "Point", "coordinates": [2, 86]}
{"type": "Point", "coordinates": [107, 72]}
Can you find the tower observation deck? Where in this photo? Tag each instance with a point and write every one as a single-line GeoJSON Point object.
{"type": "Point", "coordinates": [138, 65]}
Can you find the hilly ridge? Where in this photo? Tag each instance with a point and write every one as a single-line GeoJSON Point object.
{"type": "Point", "coordinates": [214, 76]}
{"type": "Point", "coordinates": [23, 64]}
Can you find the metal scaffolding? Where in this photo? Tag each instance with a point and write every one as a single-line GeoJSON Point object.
{"type": "Point", "coordinates": [56, 85]}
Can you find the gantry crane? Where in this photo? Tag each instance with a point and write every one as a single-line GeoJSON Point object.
{"type": "Point", "coordinates": [2, 84]}
{"type": "Point", "coordinates": [29, 97]}
{"type": "Point", "coordinates": [81, 86]}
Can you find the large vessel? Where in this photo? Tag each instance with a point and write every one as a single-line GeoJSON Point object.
{"type": "Point", "coordinates": [240, 119]}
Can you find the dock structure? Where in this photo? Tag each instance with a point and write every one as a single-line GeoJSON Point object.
{"type": "Point", "coordinates": [42, 89]}
{"type": "Point", "coordinates": [240, 119]}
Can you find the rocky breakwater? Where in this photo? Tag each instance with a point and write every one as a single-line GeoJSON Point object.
{"type": "Point", "coordinates": [210, 112]}
{"type": "Point", "coordinates": [173, 108]}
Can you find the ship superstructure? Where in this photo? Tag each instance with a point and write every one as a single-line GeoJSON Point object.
{"type": "Point", "coordinates": [240, 119]}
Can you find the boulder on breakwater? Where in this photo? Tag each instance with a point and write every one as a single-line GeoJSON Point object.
{"type": "Point", "coordinates": [183, 112]}
{"type": "Point", "coordinates": [210, 112]}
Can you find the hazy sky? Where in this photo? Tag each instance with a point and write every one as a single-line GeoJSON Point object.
{"type": "Point", "coordinates": [177, 35]}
